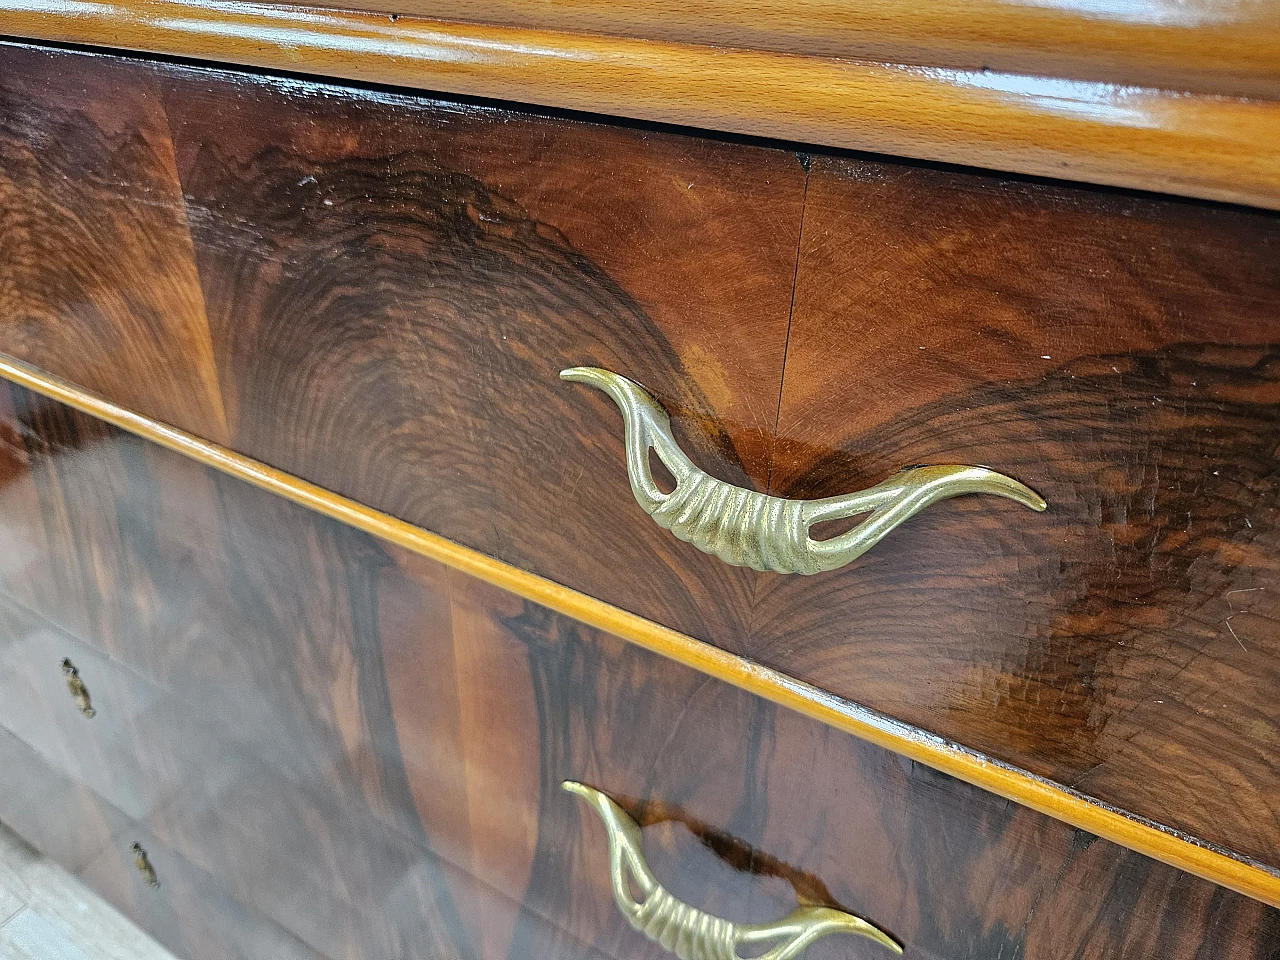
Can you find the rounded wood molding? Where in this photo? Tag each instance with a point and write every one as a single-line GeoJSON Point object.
{"type": "Point", "coordinates": [1195, 144]}
{"type": "Point", "coordinates": [1144, 836]}
{"type": "Point", "coordinates": [1220, 47]}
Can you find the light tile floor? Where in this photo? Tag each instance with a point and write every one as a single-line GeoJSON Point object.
{"type": "Point", "coordinates": [47, 914]}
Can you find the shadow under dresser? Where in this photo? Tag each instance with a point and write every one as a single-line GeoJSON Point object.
{"type": "Point", "coordinates": [431, 528]}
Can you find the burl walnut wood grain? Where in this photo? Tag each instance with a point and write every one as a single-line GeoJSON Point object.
{"type": "Point", "coordinates": [1121, 355]}
{"type": "Point", "coordinates": [389, 286]}
{"type": "Point", "coordinates": [1123, 287]}
{"type": "Point", "coordinates": [365, 748]}
{"type": "Point", "coordinates": [417, 275]}
{"type": "Point", "coordinates": [379, 267]}
{"type": "Point", "coordinates": [99, 282]}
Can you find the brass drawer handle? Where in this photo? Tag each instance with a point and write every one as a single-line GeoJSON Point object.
{"type": "Point", "coordinates": [750, 529]}
{"type": "Point", "coordinates": [75, 686]}
{"type": "Point", "coordinates": [143, 864]}
{"type": "Point", "coordinates": [688, 932]}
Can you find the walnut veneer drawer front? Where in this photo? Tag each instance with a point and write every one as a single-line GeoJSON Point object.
{"type": "Point", "coordinates": [188, 912]}
{"type": "Point", "coordinates": [405, 798]}
{"type": "Point", "coordinates": [377, 293]}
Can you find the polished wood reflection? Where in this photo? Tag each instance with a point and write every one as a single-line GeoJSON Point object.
{"type": "Point", "coordinates": [1038, 119]}
{"type": "Point", "coordinates": [483, 272]}
{"type": "Point", "coordinates": [388, 286]}
{"type": "Point", "coordinates": [365, 748]}
{"type": "Point", "coordinates": [189, 913]}
{"type": "Point", "coordinates": [1150, 46]}
{"type": "Point", "coordinates": [100, 283]}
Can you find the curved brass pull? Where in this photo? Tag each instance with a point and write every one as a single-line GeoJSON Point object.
{"type": "Point", "coordinates": [750, 529]}
{"type": "Point", "coordinates": [688, 932]}
{"type": "Point", "coordinates": [75, 686]}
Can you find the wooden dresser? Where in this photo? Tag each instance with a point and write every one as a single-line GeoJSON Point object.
{"type": "Point", "coordinates": [602, 481]}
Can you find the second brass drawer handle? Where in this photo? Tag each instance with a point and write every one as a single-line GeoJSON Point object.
{"type": "Point", "coordinates": [79, 692]}
{"type": "Point", "coordinates": [688, 932]}
{"type": "Point", "coordinates": [750, 529]}
{"type": "Point", "coordinates": [142, 863]}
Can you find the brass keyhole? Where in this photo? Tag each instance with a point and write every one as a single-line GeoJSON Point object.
{"type": "Point", "coordinates": [143, 863]}
{"type": "Point", "coordinates": [79, 692]}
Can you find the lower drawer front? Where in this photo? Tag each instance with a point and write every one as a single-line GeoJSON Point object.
{"type": "Point", "coordinates": [368, 749]}
{"type": "Point", "coordinates": [188, 912]}
{"type": "Point", "coordinates": [750, 809]}
{"type": "Point", "coordinates": [248, 861]}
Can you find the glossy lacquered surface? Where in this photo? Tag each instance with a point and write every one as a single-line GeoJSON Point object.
{"type": "Point", "coordinates": [188, 912]}
{"type": "Point", "coordinates": [1212, 46]}
{"type": "Point", "coordinates": [377, 294]}
{"type": "Point", "coordinates": [1118, 356]}
{"type": "Point", "coordinates": [1037, 118]}
{"type": "Point", "coordinates": [366, 749]}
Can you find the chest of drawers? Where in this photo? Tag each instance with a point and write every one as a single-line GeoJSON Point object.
{"type": "Point", "coordinates": [321, 583]}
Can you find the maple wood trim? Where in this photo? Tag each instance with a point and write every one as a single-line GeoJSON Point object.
{"type": "Point", "coordinates": [1202, 46]}
{"type": "Point", "coordinates": [1200, 145]}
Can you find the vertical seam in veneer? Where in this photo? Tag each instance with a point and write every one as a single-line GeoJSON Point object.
{"type": "Point", "coordinates": [786, 343]}
{"type": "Point", "coordinates": [162, 97]}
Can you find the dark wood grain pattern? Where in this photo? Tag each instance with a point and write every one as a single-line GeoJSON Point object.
{"type": "Point", "coordinates": [1121, 356]}
{"type": "Point", "coordinates": [1118, 292]}
{"type": "Point", "coordinates": [99, 283]}
{"type": "Point", "coordinates": [752, 808]}
{"type": "Point", "coordinates": [269, 787]}
{"type": "Point", "coordinates": [388, 286]}
{"type": "Point", "coordinates": [375, 268]}
{"type": "Point", "coordinates": [403, 798]}
{"type": "Point", "coordinates": [146, 557]}
{"type": "Point", "coordinates": [189, 913]}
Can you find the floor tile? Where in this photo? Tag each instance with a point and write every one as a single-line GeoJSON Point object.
{"type": "Point", "coordinates": [32, 936]}
{"type": "Point", "coordinates": [62, 919]}
{"type": "Point", "coordinates": [15, 857]}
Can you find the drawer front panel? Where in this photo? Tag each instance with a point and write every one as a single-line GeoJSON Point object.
{"type": "Point", "coordinates": [110, 752]}
{"type": "Point", "coordinates": [1119, 354]}
{"type": "Point", "coordinates": [188, 913]}
{"type": "Point", "coordinates": [193, 914]}
{"type": "Point", "coordinates": [377, 292]}
{"type": "Point", "coordinates": [242, 850]}
{"type": "Point", "coordinates": [459, 709]}
{"type": "Point", "coordinates": [463, 257]}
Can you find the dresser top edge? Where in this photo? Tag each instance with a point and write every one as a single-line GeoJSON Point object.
{"type": "Point", "coordinates": [1098, 107]}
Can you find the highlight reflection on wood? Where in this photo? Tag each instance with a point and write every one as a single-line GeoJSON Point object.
{"type": "Point", "coordinates": [1216, 146]}
{"type": "Point", "coordinates": [1128, 44]}
{"type": "Point", "coordinates": [1119, 356]}
{"type": "Point", "coordinates": [389, 286]}
{"type": "Point", "coordinates": [366, 749]}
